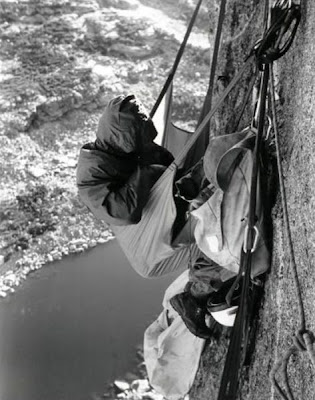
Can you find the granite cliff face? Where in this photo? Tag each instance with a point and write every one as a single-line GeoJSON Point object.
{"type": "Point", "coordinates": [279, 317]}
{"type": "Point", "coordinates": [61, 63]}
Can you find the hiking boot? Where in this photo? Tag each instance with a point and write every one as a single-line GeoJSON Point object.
{"type": "Point", "coordinates": [193, 314]}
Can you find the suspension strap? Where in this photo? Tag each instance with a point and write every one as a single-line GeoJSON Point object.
{"type": "Point", "coordinates": [215, 54]}
{"type": "Point", "coordinates": [178, 160]}
{"type": "Point", "coordinates": [177, 60]}
{"type": "Point", "coordinates": [203, 139]}
{"type": "Point", "coordinates": [245, 101]}
{"type": "Point", "coordinates": [239, 336]}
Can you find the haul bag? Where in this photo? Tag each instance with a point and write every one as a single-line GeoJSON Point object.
{"type": "Point", "coordinates": [221, 221]}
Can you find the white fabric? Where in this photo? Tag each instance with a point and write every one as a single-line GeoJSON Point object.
{"type": "Point", "coordinates": [225, 317]}
{"type": "Point", "coordinates": [149, 242]}
{"type": "Point", "coordinates": [221, 222]}
{"type": "Point", "coordinates": [169, 135]}
{"type": "Point", "coordinates": [171, 351]}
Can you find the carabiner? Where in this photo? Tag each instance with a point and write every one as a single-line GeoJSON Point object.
{"type": "Point", "coordinates": [254, 246]}
{"type": "Point", "coordinates": [269, 129]}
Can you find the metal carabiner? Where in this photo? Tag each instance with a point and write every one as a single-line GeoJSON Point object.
{"type": "Point", "coordinates": [254, 246]}
{"type": "Point", "coordinates": [269, 129]}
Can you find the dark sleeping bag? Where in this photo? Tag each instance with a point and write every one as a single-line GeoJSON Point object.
{"type": "Point", "coordinates": [116, 172]}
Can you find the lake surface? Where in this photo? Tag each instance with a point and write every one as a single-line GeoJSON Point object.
{"type": "Point", "coordinates": [74, 326]}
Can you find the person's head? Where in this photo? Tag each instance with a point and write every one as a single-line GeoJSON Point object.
{"type": "Point", "coordinates": [125, 125]}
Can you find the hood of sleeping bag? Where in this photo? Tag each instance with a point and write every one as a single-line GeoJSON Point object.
{"type": "Point", "coordinates": [124, 126]}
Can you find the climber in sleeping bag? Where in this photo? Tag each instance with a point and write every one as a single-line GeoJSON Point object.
{"type": "Point", "coordinates": [116, 172]}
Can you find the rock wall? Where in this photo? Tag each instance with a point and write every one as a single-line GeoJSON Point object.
{"type": "Point", "coordinates": [279, 315]}
{"type": "Point", "coordinates": [61, 61]}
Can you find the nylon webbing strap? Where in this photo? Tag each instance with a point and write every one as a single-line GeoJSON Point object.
{"type": "Point", "coordinates": [237, 346]}
{"type": "Point", "coordinates": [178, 160]}
{"type": "Point", "coordinates": [245, 102]}
{"type": "Point", "coordinates": [266, 51]}
{"type": "Point", "coordinates": [177, 60]}
{"type": "Point", "coordinates": [204, 136]}
{"type": "Point", "coordinates": [215, 54]}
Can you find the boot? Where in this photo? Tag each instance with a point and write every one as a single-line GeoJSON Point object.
{"type": "Point", "coordinates": [193, 314]}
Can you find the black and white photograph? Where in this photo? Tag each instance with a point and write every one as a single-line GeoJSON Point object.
{"type": "Point", "coordinates": [157, 200]}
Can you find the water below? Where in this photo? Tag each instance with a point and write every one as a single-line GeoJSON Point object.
{"type": "Point", "coordinates": [74, 327]}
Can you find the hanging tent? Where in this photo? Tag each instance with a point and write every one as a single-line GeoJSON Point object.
{"type": "Point", "coordinates": [169, 136]}
{"type": "Point", "coordinates": [149, 245]}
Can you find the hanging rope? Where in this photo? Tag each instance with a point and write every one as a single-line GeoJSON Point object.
{"type": "Point", "coordinates": [279, 37]}
{"type": "Point", "coordinates": [239, 337]}
{"type": "Point", "coordinates": [240, 333]}
{"type": "Point", "coordinates": [203, 139]}
{"type": "Point", "coordinates": [177, 60]}
{"type": "Point", "coordinates": [215, 53]}
{"type": "Point", "coordinates": [304, 339]}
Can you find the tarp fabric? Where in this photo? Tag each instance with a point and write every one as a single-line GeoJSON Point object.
{"type": "Point", "coordinates": [171, 351]}
{"type": "Point", "coordinates": [169, 135]}
{"type": "Point", "coordinates": [147, 244]}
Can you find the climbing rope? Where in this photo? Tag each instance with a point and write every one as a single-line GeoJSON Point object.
{"type": "Point", "coordinates": [178, 57]}
{"type": "Point", "coordinates": [239, 337]}
{"type": "Point", "coordinates": [285, 17]}
{"type": "Point", "coordinates": [304, 339]}
{"type": "Point", "coordinates": [279, 36]}
{"type": "Point", "coordinates": [203, 139]}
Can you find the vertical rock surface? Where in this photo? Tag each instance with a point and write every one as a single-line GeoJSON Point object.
{"type": "Point", "coordinates": [279, 315]}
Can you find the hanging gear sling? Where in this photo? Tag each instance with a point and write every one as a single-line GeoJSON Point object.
{"type": "Point", "coordinates": [269, 49]}
{"type": "Point", "coordinates": [148, 244]}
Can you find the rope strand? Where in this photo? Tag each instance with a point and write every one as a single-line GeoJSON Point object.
{"type": "Point", "coordinates": [177, 60]}
{"type": "Point", "coordinates": [303, 340]}
{"type": "Point", "coordinates": [284, 203]}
